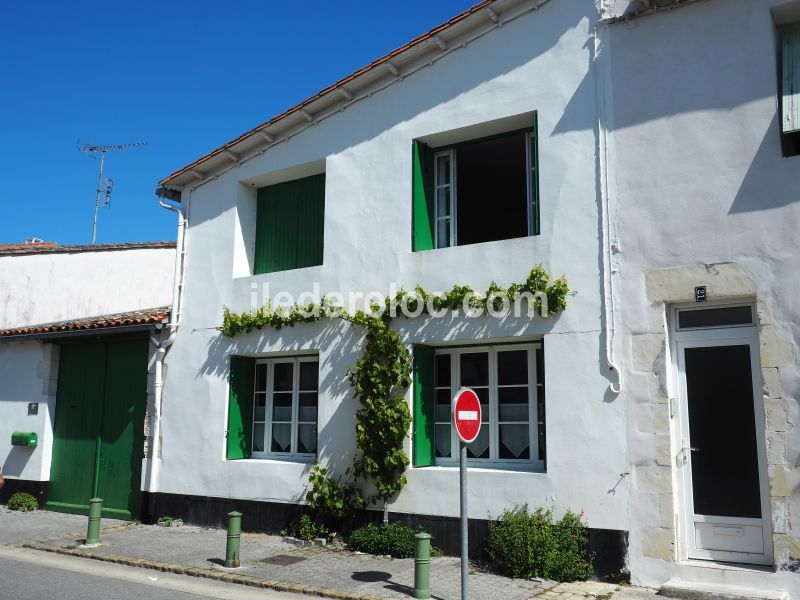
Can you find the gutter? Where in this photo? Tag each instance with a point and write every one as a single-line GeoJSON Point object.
{"type": "Point", "coordinates": [80, 332]}
{"type": "Point", "coordinates": [154, 463]}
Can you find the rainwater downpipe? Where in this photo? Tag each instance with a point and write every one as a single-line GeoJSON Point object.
{"type": "Point", "coordinates": [601, 49]}
{"type": "Point", "coordinates": [163, 345]}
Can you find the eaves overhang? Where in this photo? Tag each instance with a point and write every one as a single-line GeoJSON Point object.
{"type": "Point", "coordinates": [398, 64]}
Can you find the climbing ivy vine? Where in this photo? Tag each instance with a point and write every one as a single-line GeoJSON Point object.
{"type": "Point", "coordinates": [382, 375]}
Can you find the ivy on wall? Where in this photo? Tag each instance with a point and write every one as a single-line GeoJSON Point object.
{"type": "Point", "coordinates": [382, 375]}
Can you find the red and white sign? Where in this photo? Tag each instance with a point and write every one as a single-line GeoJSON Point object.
{"type": "Point", "coordinates": [467, 415]}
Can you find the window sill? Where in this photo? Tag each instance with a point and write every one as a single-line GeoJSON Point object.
{"type": "Point", "coordinates": [498, 467]}
{"type": "Point", "coordinates": [278, 460]}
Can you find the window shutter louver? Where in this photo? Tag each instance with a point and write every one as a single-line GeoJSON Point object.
{"type": "Point", "coordinates": [422, 197]}
{"type": "Point", "coordinates": [423, 442]}
{"type": "Point", "coordinates": [240, 408]}
{"type": "Point", "coordinates": [791, 81]}
{"type": "Point", "coordinates": [290, 225]}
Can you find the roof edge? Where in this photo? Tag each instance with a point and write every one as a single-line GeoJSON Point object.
{"type": "Point", "coordinates": [429, 36]}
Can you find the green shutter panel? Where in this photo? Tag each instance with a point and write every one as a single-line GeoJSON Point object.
{"type": "Point", "coordinates": [791, 81]}
{"type": "Point", "coordinates": [240, 408]}
{"type": "Point", "coordinates": [535, 174]}
{"type": "Point", "coordinates": [290, 222]}
{"type": "Point", "coordinates": [422, 197]}
{"type": "Point", "coordinates": [423, 442]}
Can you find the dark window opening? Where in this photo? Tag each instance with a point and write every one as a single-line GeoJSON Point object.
{"type": "Point", "coordinates": [492, 190]}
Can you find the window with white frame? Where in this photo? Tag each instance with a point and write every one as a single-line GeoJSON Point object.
{"type": "Point", "coordinates": [486, 190]}
{"type": "Point", "coordinates": [285, 407]}
{"type": "Point", "coordinates": [509, 382]}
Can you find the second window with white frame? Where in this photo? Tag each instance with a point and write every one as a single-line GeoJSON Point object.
{"type": "Point", "coordinates": [285, 402]}
{"type": "Point", "coordinates": [508, 381]}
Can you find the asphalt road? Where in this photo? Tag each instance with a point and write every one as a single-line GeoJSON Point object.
{"type": "Point", "coordinates": [31, 575]}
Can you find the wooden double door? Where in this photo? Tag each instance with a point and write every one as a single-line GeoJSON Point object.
{"type": "Point", "coordinates": [99, 426]}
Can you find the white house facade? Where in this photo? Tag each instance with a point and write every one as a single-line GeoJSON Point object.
{"type": "Point", "coordinates": [562, 133]}
{"type": "Point", "coordinates": [77, 369]}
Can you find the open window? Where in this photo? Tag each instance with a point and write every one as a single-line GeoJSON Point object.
{"type": "Point", "coordinates": [478, 190]}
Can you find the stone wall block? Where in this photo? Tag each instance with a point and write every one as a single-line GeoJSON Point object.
{"type": "Point", "coordinates": [645, 349]}
{"type": "Point", "coordinates": [658, 542]}
{"type": "Point", "coordinates": [654, 480]}
{"type": "Point", "coordinates": [772, 383]}
{"type": "Point", "coordinates": [775, 350]}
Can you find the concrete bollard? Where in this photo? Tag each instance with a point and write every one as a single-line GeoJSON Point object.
{"type": "Point", "coordinates": [234, 535]}
{"type": "Point", "coordinates": [422, 566]}
{"type": "Point", "coordinates": [93, 530]}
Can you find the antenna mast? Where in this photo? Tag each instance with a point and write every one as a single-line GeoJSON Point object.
{"type": "Point", "coordinates": [103, 197]}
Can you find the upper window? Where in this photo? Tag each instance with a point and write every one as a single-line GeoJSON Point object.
{"type": "Point", "coordinates": [510, 385]}
{"type": "Point", "coordinates": [290, 225]}
{"type": "Point", "coordinates": [790, 90]}
{"type": "Point", "coordinates": [476, 191]}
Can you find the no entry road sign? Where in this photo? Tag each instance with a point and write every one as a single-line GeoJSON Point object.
{"type": "Point", "coordinates": [467, 415]}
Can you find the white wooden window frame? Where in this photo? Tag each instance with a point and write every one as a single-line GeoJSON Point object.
{"type": "Point", "coordinates": [268, 416]}
{"type": "Point", "coordinates": [452, 154]}
{"type": "Point", "coordinates": [536, 462]}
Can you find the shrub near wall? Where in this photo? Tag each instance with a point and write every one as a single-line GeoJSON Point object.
{"type": "Point", "coordinates": [525, 544]}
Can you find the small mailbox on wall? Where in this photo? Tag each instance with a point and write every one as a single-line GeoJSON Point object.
{"type": "Point", "coordinates": [24, 438]}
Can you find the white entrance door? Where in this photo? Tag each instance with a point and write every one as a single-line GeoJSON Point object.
{"type": "Point", "coordinates": [722, 459]}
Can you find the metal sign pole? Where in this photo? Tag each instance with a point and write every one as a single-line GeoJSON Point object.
{"type": "Point", "coordinates": [464, 523]}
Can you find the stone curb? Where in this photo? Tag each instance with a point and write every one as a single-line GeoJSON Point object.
{"type": "Point", "coordinates": [249, 580]}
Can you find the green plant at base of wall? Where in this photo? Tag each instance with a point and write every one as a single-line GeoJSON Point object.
{"type": "Point", "coordinates": [392, 539]}
{"type": "Point", "coordinates": [22, 501]}
{"type": "Point", "coordinates": [525, 544]}
{"type": "Point", "coordinates": [382, 375]}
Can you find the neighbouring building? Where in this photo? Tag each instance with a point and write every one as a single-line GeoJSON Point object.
{"type": "Point", "coordinates": [648, 152]}
{"type": "Point", "coordinates": [79, 329]}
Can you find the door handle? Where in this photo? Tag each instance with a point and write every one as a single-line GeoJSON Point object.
{"type": "Point", "coordinates": [685, 452]}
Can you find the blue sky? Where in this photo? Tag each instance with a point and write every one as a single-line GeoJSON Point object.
{"type": "Point", "coordinates": [183, 76]}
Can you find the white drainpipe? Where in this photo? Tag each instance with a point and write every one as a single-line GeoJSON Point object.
{"type": "Point", "coordinates": [162, 346]}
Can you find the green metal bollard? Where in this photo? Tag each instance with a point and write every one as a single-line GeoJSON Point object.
{"type": "Point", "coordinates": [422, 566]}
{"type": "Point", "coordinates": [234, 535]}
{"type": "Point", "coordinates": [93, 531]}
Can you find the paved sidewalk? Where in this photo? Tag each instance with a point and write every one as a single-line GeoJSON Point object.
{"type": "Point", "coordinates": [269, 561]}
{"type": "Point", "coordinates": [16, 526]}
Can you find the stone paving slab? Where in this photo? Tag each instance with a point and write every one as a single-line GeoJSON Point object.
{"type": "Point", "coordinates": [320, 567]}
{"type": "Point", "coordinates": [17, 526]}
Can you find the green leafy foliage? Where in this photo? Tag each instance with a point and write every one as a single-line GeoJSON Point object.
{"type": "Point", "coordinates": [308, 529]}
{"type": "Point", "coordinates": [382, 375]}
{"type": "Point", "coordinates": [329, 499]}
{"type": "Point", "coordinates": [380, 378]}
{"type": "Point", "coordinates": [525, 544]}
{"type": "Point", "coordinates": [22, 501]}
{"type": "Point", "coordinates": [392, 539]}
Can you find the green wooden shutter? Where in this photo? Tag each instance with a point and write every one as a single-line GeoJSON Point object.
{"type": "Point", "coordinates": [290, 223]}
{"type": "Point", "coordinates": [791, 81]}
{"type": "Point", "coordinates": [240, 408]}
{"type": "Point", "coordinates": [535, 174]}
{"type": "Point", "coordinates": [423, 442]}
{"type": "Point", "coordinates": [422, 197]}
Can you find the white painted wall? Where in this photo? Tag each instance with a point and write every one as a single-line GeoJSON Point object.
{"type": "Point", "coordinates": [43, 288]}
{"type": "Point", "coordinates": [539, 62]}
{"type": "Point", "coordinates": [51, 287]}
{"type": "Point", "coordinates": [26, 375]}
{"type": "Point", "coordinates": [698, 178]}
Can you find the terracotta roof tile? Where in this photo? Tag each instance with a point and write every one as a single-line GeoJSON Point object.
{"type": "Point", "coordinates": [52, 248]}
{"type": "Point", "coordinates": [127, 319]}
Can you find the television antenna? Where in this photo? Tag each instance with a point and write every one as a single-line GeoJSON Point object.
{"type": "Point", "coordinates": [104, 187]}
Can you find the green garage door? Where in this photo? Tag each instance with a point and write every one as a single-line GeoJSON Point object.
{"type": "Point", "coordinates": [99, 426]}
